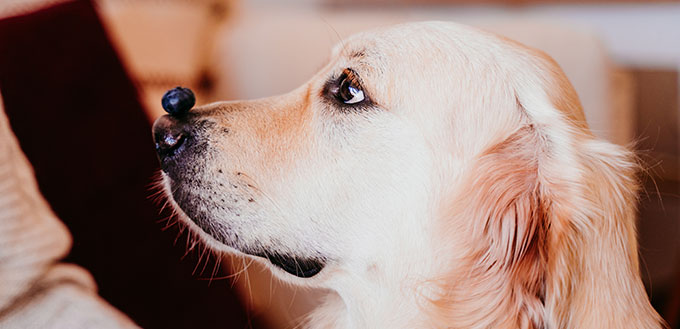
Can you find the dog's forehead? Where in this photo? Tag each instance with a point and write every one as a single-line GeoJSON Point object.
{"type": "Point", "coordinates": [411, 36]}
{"type": "Point", "coordinates": [393, 60]}
{"type": "Point", "coordinates": [419, 48]}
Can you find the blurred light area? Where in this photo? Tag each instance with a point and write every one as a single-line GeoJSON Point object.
{"type": "Point", "coordinates": [636, 34]}
{"type": "Point", "coordinates": [643, 33]}
{"type": "Point", "coordinates": [18, 7]}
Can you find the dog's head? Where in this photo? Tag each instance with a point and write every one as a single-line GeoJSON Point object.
{"type": "Point", "coordinates": [428, 153]}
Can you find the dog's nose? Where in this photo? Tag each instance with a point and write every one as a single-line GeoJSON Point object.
{"type": "Point", "coordinates": [178, 101]}
{"type": "Point", "coordinates": [168, 131]}
{"type": "Point", "coordinates": [169, 135]}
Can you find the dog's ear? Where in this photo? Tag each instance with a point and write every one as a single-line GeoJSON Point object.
{"type": "Point", "coordinates": [593, 277]}
{"type": "Point", "coordinates": [554, 236]}
{"type": "Point", "coordinates": [548, 216]}
{"type": "Point", "coordinates": [566, 222]}
{"type": "Point", "coordinates": [507, 211]}
{"type": "Point", "coordinates": [502, 217]}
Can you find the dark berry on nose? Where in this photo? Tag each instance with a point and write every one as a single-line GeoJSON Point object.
{"type": "Point", "coordinates": [178, 101]}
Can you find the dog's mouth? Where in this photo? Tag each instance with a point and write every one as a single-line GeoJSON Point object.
{"type": "Point", "coordinates": [298, 266]}
{"type": "Point", "coordinates": [302, 267]}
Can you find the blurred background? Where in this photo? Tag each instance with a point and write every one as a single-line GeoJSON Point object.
{"type": "Point", "coordinates": [623, 57]}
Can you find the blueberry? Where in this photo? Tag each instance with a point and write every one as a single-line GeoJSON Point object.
{"type": "Point", "coordinates": [178, 101]}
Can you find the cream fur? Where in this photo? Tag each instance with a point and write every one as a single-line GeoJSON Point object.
{"type": "Point", "coordinates": [469, 194]}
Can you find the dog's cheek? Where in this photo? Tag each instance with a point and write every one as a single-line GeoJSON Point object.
{"type": "Point", "coordinates": [366, 192]}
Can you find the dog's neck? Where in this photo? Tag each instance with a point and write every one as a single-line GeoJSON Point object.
{"type": "Point", "coordinates": [417, 284]}
{"type": "Point", "coordinates": [409, 302]}
{"type": "Point", "coordinates": [390, 295]}
{"type": "Point", "coordinates": [378, 304]}
{"type": "Point", "coordinates": [407, 293]}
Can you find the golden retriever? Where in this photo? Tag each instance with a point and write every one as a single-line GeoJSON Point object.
{"type": "Point", "coordinates": [433, 175]}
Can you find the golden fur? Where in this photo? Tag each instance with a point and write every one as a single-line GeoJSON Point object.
{"type": "Point", "coordinates": [469, 192]}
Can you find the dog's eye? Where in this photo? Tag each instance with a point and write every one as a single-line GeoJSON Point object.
{"type": "Point", "coordinates": [350, 93]}
{"type": "Point", "coordinates": [348, 89]}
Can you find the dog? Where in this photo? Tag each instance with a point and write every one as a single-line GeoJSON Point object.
{"type": "Point", "coordinates": [433, 175]}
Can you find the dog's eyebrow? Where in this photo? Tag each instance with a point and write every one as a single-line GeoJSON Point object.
{"type": "Point", "coordinates": [357, 54]}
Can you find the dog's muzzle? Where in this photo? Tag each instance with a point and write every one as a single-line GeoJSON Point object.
{"type": "Point", "coordinates": [180, 139]}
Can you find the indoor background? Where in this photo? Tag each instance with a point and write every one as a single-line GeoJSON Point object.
{"type": "Point", "coordinates": [623, 57]}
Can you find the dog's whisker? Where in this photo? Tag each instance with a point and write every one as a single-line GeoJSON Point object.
{"type": "Point", "coordinates": [235, 275]}
{"type": "Point", "coordinates": [236, 269]}
{"type": "Point", "coordinates": [248, 285]}
{"type": "Point", "coordinates": [208, 254]}
{"type": "Point", "coordinates": [201, 252]}
{"type": "Point", "coordinates": [215, 268]}
{"type": "Point", "coordinates": [292, 298]}
{"type": "Point", "coordinates": [271, 289]}
{"type": "Point", "coordinates": [166, 202]}
{"type": "Point", "coordinates": [193, 242]}
{"type": "Point", "coordinates": [170, 221]}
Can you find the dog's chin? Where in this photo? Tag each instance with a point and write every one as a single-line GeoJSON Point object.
{"type": "Point", "coordinates": [299, 266]}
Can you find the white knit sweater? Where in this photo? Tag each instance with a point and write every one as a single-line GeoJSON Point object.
{"type": "Point", "coordinates": [36, 291]}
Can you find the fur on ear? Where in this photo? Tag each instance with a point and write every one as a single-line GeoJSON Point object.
{"type": "Point", "coordinates": [513, 223]}
{"type": "Point", "coordinates": [543, 226]}
{"type": "Point", "coordinates": [593, 274]}
{"type": "Point", "coordinates": [546, 246]}
{"type": "Point", "coordinates": [499, 282]}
